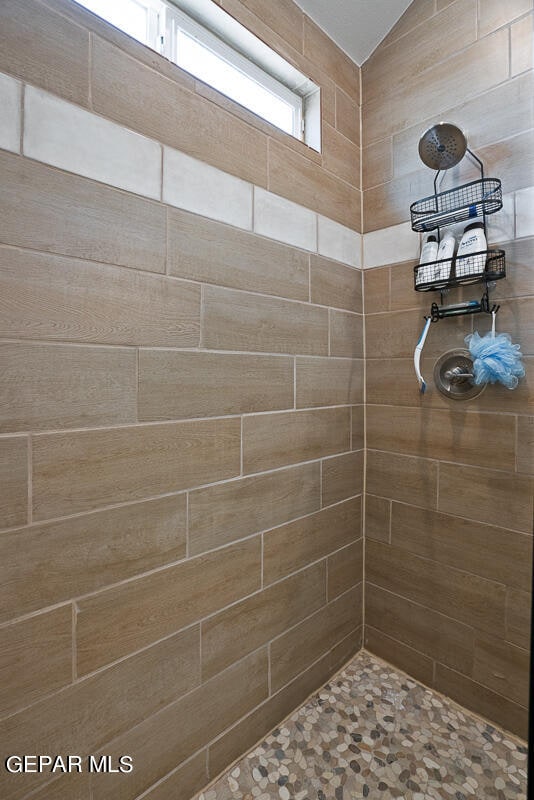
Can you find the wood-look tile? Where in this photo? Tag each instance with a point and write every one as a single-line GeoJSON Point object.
{"type": "Point", "coordinates": [443, 435]}
{"type": "Point", "coordinates": [340, 155]}
{"type": "Point", "coordinates": [328, 382]}
{"type": "Point", "coordinates": [518, 605]}
{"type": "Point", "coordinates": [13, 481]}
{"type": "Point", "coordinates": [343, 652]}
{"type": "Point", "coordinates": [319, 47]}
{"type": "Point", "coordinates": [300, 647]}
{"type": "Point", "coordinates": [45, 209]}
{"type": "Point", "coordinates": [79, 471]}
{"type": "Point", "coordinates": [297, 178]}
{"type": "Point", "coordinates": [376, 289]}
{"type": "Point", "coordinates": [185, 781]}
{"type": "Point", "coordinates": [377, 518]}
{"type": "Point", "coordinates": [517, 319]}
{"type": "Point", "coordinates": [223, 513]}
{"type": "Point", "coordinates": [333, 284]}
{"type": "Point", "coordinates": [36, 658]}
{"type": "Point", "coordinates": [208, 251]}
{"type": "Point", "coordinates": [512, 160]}
{"type": "Point", "coordinates": [394, 379]}
{"type": "Point", "coordinates": [463, 596]}
{"type": "Point", "coordinates": [502, 667]}
{"type": "Point", "coordinates": [242, 628]}
{"type": "Point", "coordinates": [166, 739]}
{"type": "Point", "coordinates": [45, 49]}
{"type": "Point", "coordinates": [521, 45]}
{"type": "Point", "coordinates": [478, 698]}
{"type": "Point", "coordinates": [347, 119]}
{"type": "Point", "coordinates": [404, 478]}
{"type": "Point", "coordinates": [342, 477]}
{"type": "Point", "coordinates": [84, 716]}
{"type": "Point", "coordinates": [138, 97]}
{"type": "Point", "coordinates": [56, 386]}
{"type": "Point", "coordinates": [417, 12]}
{"type": "Point", "coordinates": [525, 444]}
{"type": "Point", "coordinates": [519, 278]}
{"type": "Point", "coordinates": [130, 616]}
{"type": "Point", "coordinates": [485, 550]}
{"type": "Point", "coordinates": [421, 628]}
{"type": "Point", "coordinates": [346, 334]}
{"type": "Point", "coordinates": [499, 498]}
{"type": "Point", "coordinates": [176, 385]}
{"type": "Point", "coordinates": [88, 552]}
{"type": "Point", "coordinates": [492, 14]}
{"type": "Point", "coordinates": [275, 440]}
{"type": "Point", "coordinates": [69, 786]}
{"type": "Point", "coordinates": [420, 49]}
{"type": "Point", "coordinates": [402, 292]}
{"type": "Point", "coordinates": [511, 115]}
{"type": "Point", "coordinates": [286, 19]}
{"type": "Point", "coordinates": [241, 321]}
{"type": "Point", "coordinates": [377, 161]}
{"type": "Point", "coordinates": [258, 723]}
{"type": "Point", "coordinates": [426, 94]}
{"type": "Point", "coordinates": [395, 335]}
{"type": "Point", "coordinates": [101, 27]}
{"type": "Point", "coordinates": [389, 203]}
{"type": "Point", "coordinates": [357, 427]}
{"type": "Point", "coordinates": [48, 296]}
{"type": "Point", "coordinates": [345, 569]}
{"type": "Point", "coordinates": [416, 664]}
{"type": "Point", "coordinates": [293, 546]}
{"type": "Point", "coordinates": [259, 25]}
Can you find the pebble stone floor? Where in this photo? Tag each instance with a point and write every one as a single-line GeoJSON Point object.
{"type": "Point", "coordinates": [373, 732]}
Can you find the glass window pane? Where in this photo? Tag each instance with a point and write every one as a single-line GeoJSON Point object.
{"type": "Point", "coordinates": [128, 15]}
{"type": "Point", "coordinates": [215, 71]}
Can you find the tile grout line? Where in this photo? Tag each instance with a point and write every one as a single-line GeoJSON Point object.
{"type": "Point", "coordinates": [22, 117]}
{"type": "Point", "coordinates": [90, 70]}
{"type": "Point", "coordinates": [29, 457]}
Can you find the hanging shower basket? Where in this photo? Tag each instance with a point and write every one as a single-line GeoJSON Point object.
{"type": "Point", "coordinates": [475, 199]}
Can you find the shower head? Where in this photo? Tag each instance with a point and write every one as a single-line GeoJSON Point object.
{"type": "Point", "coordinates": [442, 146]}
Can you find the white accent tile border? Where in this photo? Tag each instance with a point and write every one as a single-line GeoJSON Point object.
{"type": "Point", "coordinates": [10, 103]}
{"type": "Point", "coordinates": [524, 212]}
{"type": "Point", "coordinates": [71, 138]}
{"type": "Point", "coordinates": [198, 187]}
{"type": "Point", "coordinates": [338, 242]}
{"type": "Point", "coordinates": [390, 246]}
{"type": "Point", "coordinates": [284, 220]}
{"type": "Point", "coordinates": [501, 225]}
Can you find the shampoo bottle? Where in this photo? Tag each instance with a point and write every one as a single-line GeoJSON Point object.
{"type": "Point", "coordinates": [429, 253]}
{"type": "Point", "coordinates": [473, 241]}
{"type": "Point", "coordinates": [445, 251]}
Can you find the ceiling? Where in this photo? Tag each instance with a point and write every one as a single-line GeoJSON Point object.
{"type": "Point", "coordinates": [357, 26]}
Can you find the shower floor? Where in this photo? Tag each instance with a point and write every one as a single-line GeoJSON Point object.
{"type": "Point", "coordinates": [373, 732]}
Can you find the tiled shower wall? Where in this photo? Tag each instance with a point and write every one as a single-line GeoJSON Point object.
{"type": "Point", "coordinates": [449, 486]}
{"type": "Point", "coordinates": [181, 426]}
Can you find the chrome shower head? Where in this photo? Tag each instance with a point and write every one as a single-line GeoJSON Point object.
{"type": "Point", "coordinates": [442, 146]}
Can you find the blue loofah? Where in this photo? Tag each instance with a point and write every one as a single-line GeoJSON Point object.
{"type": "Point", "coordinates": [495, 359]}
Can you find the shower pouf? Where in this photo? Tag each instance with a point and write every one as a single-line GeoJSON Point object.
{"type": "Point", "coordinates": [495, 359]}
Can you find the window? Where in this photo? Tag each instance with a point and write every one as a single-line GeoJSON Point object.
{"type": "Point", "coordinates": [201, 38]}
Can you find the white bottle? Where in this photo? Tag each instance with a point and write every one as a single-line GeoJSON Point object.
{"type": "Point", "coordinates": [445, 251]}
{"type": "Point", "coordinates": [473, 241]}
{"type": "Point", "coordinates": [429, 253]}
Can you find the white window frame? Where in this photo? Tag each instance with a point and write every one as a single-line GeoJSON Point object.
{"type": "Point", "coordinates": [209, 25]}
{"type": "Point", "coordinates": [175, 20]}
